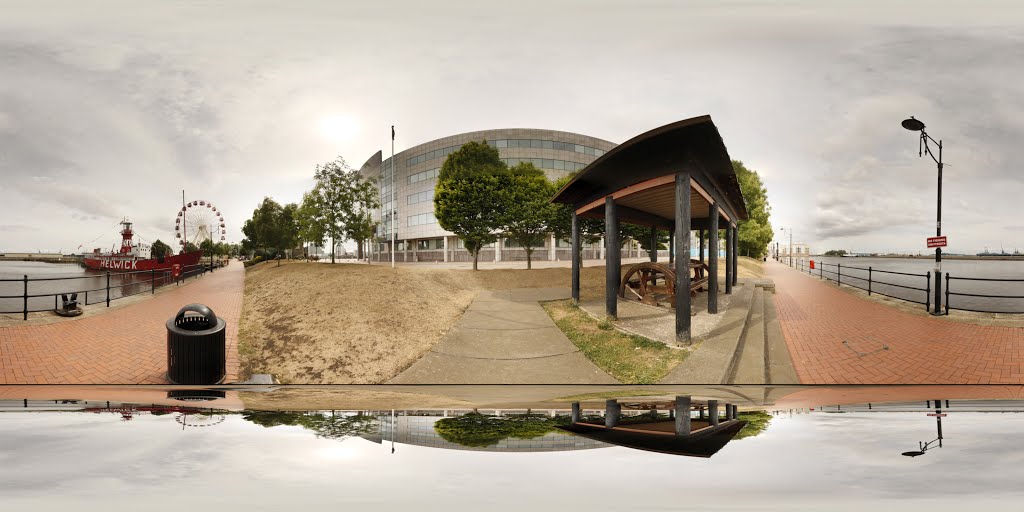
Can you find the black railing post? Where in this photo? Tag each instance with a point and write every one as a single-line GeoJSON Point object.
{"type": "Point", "coordinates": [108, 288]}
{"type": "Point", "coordinates": [928, 292]}
{"type": "Point", "coordinates": [869, 281]}
{"type": "Point", "coordinates": [152, 281]}
{"type": "Point", "coordinates": [947, 296]}
{"type": "Point", "coordinates": [25, 312]}
{"type": "Point", "coordinates": [821, 271]}
{"type": "Point", "coordinates": [839, 274]}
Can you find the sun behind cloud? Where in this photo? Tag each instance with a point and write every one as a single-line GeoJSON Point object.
{"type": "Point", "coordinates": [338, 127]}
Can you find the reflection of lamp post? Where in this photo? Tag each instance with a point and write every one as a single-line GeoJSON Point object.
{"type": "Point", "coordinates": [915, 125]}
{"type": "Point", "coordinates": [923, 447]}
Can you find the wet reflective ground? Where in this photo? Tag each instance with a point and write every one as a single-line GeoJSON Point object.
{"type": "Point", "coordinates": [483, 451]}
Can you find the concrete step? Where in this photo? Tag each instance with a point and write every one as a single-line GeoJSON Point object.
{"type": "Point", "coordinates": [780, 363]}
{"type": "Point", "coordinates": [749, 361]}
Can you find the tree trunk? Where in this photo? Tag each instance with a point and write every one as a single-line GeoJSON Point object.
{"type": "Point", "coordinates": [360, 249]}
{"type": "Point", "coordinates": [476, 255]}
{"type": "Point", "coordinates": [334, 243]}
{"type": "Point", "coordinates": [529, 258]}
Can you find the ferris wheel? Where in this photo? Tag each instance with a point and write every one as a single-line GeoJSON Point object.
{"type": "Point", "coordinates": [199, 221]}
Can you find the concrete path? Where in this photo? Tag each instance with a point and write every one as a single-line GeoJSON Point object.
{"type": "Point", "coordinates": [126, 345]}
{"type": "Point", "coordinates": [836, 337]}
{"type": "Point", "coordinates": [505, 337]}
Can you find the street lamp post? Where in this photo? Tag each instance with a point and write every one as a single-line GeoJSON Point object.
{"type": "Point", "coordinates": [915, 125]}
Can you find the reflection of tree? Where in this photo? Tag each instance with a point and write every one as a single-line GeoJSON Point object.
{"type": "Point", "coordinates": [323, 425]}
{"type": "Point", "coordinates": [757, 422]}
{"type": "Point", "coordinates": [478, 430]}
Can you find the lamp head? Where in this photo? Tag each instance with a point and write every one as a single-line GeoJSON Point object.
{"type": "Point", "coordinates": [912, 454]}
{"type": "Point", "coordinates": [913, 124]}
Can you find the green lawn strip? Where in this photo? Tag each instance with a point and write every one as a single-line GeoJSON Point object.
{"type": "Point", "coordinates": [629, 358]}
{"type": "Point", "coordinates": [605, 395]}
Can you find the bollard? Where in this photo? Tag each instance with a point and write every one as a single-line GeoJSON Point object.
{"type": "Point", "coordinates": [928, 291]}
{"type": "Point", "coordinates": [947, 293]}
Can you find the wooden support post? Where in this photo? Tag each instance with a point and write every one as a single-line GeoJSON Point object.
{"type": "Point", "coordinates": [577, 412]}
{"type": "Point", "coordinates": [713, 259]}
{"type": "Point", "coordinates": [682, 415]}
{"type": "Point", "coordinates": [713, 411]}
{"type": "Point", "coordinates": [613, 261]}
{"type": "Point", "coordinates": [654, 244]}
{"type": "Point", "coordinates": [728, 258]}
{"type": "Point", "coordinates": [576, 260]}
{"type": "Point", "coordinates": [612, 411]}
{"type": "Point", "coordinates": [682, 263]}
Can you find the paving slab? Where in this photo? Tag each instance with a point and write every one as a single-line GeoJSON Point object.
{"type": "Point", "coordinates": [127, 345]}
{"type": "Point", "coordinates": [711, 361]}
{"type": "Point", "coordinates": [816, 318]}
{"type": "Point", "coordinates": [505, 337]}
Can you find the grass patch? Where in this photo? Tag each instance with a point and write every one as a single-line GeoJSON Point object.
{"type": "Point", "coordinates": [629, 358]}
{"type": "Point", "coordinates": [757, 422]}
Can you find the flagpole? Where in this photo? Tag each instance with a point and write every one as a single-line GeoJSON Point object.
{"type": "Point", "coordinates": [392, 198]}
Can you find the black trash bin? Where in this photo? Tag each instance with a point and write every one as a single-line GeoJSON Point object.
{"type": "Point", "coordinates": [196, 347]}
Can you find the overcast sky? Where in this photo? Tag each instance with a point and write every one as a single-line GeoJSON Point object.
{"type": "Point", "coordinates": [110, 109]}
{"type": "Point", "coordinates": [86, 461]}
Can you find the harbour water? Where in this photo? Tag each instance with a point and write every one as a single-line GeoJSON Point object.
{"type": "Point", "coordinates": [983, 269]}
{"type": "Point", "coordinates": [80, 280]}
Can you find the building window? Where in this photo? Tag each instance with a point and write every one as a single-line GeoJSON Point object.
{"type": "Point", "coordinates": [423, 218]}
{"type": "Point", "coordinates": [430, 245]}
{"type": "Point", "coordinates": [420, 197]}
{"type": "Point", "coordinates": [423, 176]}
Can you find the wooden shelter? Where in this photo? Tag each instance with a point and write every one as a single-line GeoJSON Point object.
{"type": "Point", "coordinates": [679, 178]}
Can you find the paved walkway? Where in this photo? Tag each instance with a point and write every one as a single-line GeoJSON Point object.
{"type": "Point", "coordinates": [123, 346]}
{"type": "Point", "coordinates": [817, 318]}
{"type": "Point", "coordinates": [506, 337]}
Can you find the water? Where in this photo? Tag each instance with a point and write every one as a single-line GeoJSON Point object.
{"type": "Point", "coordinates": [83, 455]}
{"type": "Point", "coordinates": [85, 279]}
{"type": "Point", "coordinates": [989, 269]}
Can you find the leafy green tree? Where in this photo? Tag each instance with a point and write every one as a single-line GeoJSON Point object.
{"type": "Point", "coordinates": [642, 234]}
{"type": "Point", "coordinates": [525, 204]}
{"type": "Point", "coordinates": [160, 249]}
{"type": "Point", "coordinates": [190, 247]}
{"type": "Point", "coordinates": [312, 226]}
{"type": "Point", "coordinates": [591, 230]}
{"type": "Point", "coordinates": [288, 227]}
{"type": "Point", "coordinates": [469, 183]}
{"type": "Point", "coordinates": [835, 252]}
{"type": "Point", "coordinates": [339, 205]}
{"type": "Point", "coordinates": [264, 230]}
{"type": "Point", "coordinates": [478, 430]}
{"type": "Point", "coordinates": [755, 233]}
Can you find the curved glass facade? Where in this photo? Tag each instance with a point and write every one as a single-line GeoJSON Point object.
{"type": "Point", "coordinates": [409, 201]}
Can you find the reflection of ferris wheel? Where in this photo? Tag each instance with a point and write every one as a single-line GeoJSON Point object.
{"type": "Point", "coordinates": [198, 419]}
{"type": "Point", "coordinates": [199, 221]}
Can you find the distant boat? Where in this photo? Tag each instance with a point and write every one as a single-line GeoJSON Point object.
{"type": "Point", "coordinates": [1000, 253]}
{"type": "Point", "coordinates": [129, 256]}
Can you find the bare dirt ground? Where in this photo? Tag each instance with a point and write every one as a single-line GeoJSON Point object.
{"type": "Point", "coordinates": [313, 323]}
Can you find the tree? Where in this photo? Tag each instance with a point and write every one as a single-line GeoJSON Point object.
{"type": "Point", "coordinates": [755, 233]}
{"type": "Point", "coordinates": [340, 204]}
{"type": "Point", "coordinates": [525, 204]}
{"type": "Point", "coordinates": [835, 252]}
{"type": "Point", "coordinates": [477, 430]}
{"type": "Point", "coordinates": [263, 229]}
{"type": "Point", "coordinates": [160, 249]}
{"type": "Point", "coordinates": [288, 228]}
{"type": "Point", "coordinates": [642, 234]}
{"type": "Point", "coordinates": [591, 230]}
{"type": "Point", "coordinates": [468, 185]}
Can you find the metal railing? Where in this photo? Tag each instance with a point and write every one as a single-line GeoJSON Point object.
{"type": "Point", "coordinates": [157, 278]}
{"type": "Point", "coordinates": [949, 293]}
{"type": "Point", "coordinates": [867, 283]}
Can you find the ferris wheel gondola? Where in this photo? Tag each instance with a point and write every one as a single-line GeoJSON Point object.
{"type": "Point", "coordinates": [199, 221]}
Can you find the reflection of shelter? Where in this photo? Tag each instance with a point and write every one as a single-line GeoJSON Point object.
{"type": "Point", "coordinates": [678, 178]}
{"type": "Point", "coordinates": [681, 434]}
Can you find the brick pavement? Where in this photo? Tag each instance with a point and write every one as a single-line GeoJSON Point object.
{"type": "Point", "coordinates": [123, 346]}
{"type": "Point", "coordinates": [817, 317]}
